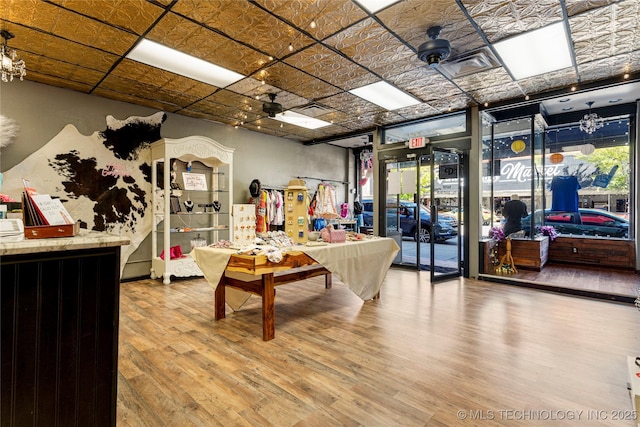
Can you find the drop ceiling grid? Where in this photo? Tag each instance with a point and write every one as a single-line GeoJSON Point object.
{"type": "Point", "coordinates": [79, 43]}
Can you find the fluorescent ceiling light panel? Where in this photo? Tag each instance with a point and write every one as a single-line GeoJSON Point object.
{"type": "Point", "coordinates": [385, 95]}
{"type": "Point", "coordinates": [166, 58]}
{"type": "Point", "coordinates": [375, 5]}
{"type": "Point", "coordinates": [300, 120]}
{"type": "Point", "coordinates": [536, 52]}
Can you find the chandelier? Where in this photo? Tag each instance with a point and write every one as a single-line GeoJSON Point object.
{"type": "Point", "coordinates": [12, 66]}
{"type": "Point", "coordinates": [591, 122]}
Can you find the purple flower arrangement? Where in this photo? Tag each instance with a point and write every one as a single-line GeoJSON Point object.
{"type": "Point", "coordinates": [496, 233]}
{"type": "Point", "coordinates": [548, 230]}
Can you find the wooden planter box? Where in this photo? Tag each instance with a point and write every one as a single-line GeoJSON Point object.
{"type": "Point", "coordinates": [602, 252]}
{"type": "Point", "coordinates": [530, 254]}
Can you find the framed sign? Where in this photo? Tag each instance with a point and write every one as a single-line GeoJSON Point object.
{"type": "Point", "coordinates": [194, 181]}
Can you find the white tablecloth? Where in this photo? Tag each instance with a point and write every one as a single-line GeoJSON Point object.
{"type": "Point", "coordinates": [361, 265]}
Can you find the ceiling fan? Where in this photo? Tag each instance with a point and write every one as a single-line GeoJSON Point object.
{"type": "Point", "coordinates": [434, 50]}
{"type": "Point", "coordinates": [272, 108]}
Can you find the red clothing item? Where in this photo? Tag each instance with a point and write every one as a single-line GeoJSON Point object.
{"type": "Point", "coordinates": [261, 212]}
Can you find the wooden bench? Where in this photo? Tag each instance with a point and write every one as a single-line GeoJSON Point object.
{"type": "Point", "coordinates": [295, 266]}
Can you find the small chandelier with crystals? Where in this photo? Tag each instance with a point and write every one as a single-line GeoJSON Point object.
{"type": "Point", "coordinates": [12, 66]}
{"type": "Point", "coordinates": [591, 122]}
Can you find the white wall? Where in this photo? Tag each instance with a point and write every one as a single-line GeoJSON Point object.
{"type": "Point", "coordinates": [41, 111]}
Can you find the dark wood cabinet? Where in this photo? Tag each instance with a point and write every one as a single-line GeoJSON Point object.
{"type": "Point", "coordinates": [59, 352]}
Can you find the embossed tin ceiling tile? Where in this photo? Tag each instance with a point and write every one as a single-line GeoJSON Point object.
{"type": "Point", "coordinates": [449, 104]}
{"type": "Point", "coordinates": [351, 104]}
{"type": "Point", "coordinates": [313, 89]}
{"type": "Point", "coordinates": [465, 44]}
{"type": "Point", "coordinates": [325, 64]}
{"type": "Point", "coordinates": [134, 15]}
{"type": "Point", "coordinates": [424, 109]}
{"type": "Point", "coordinates": [31, 13]}
{"type": "Point", "coordinates": [164, 3]}
{"type": "Point", "coordinates": [179, 99]}
{"type": "Point", "coordinates": [439, 89]}
{"type": "Point", "coordinates": [497, 93]}
{"type": "Point", "coordinates": [91, 33]}
{"type": "Point", "coordinates": [35, 76]}
{"type": "Point", "coordinates": [285, 77]}
{"type": "Point", "coordinates": [218, 110]}
{"type": "Point", "coordinates": [493, 77]}
{"type": "Point", "coordinates": [411, 19]}
{"type": "Point", "coordinates": [361, 37]}
{"type": "Point", "coordinates": [575, 7]}
{"type": "Point", "coordinates": [204, 116]}
{"type": "Point", "coordinates": [499, 19]}
{"type": "Point", "coordinates": [287, 99]}
{"type": "Point", "coordinates": [425, 84]}
{"type": "Point", "coordinates": [549, 81]}
{"type": "Point", "coordinates": [147, 92]}
{"type": "Point", "coordinates": [67, 51]}
{"type": "Point", "coordinates": [61, 69]}
{"type": "Point", "coordinates": [245, 86]}
{"type": "Point", "coordinates": [133, 99]}
{"type": "Point", "coordinates": [200, 11]}
{"type": "Point", "coordinates": [143, 73]}
{"type": "Point", "coordinates": [193, 88]}
{"type": "Point", "coordinates": [403, 63]}
{"type": "Point", "coordinates": [592, 35]}
{"type": "Point", "coordinates": [247, 23]}
{"type": "Point", "coordinates": [370, 45]}
{"type": "Point", "coordinates": [187, 37]}
{"type": "Point", "coordinates": [333, 117]}
{"type": "Point", "coordinates": [233, 99]}
{"type": "Point", "coordinates": [607, 67]}
{"type": "Point", "coordinates": [329, 15]}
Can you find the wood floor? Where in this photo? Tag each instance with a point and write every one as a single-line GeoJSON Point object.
{"type": "Point", "coordinates": [607, 283]}
{"type": "Point", "coordinates": [459, 353]}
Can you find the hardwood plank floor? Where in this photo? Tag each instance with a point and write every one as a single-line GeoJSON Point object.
{"type": "Point", "coordinates": [463, 352]}
{"type": "Point", "coordinates": [623, 285]}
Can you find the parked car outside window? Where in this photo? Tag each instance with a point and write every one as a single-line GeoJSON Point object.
{"type": "Point", "coordinates": [405, 213]}
{"type": "Point", "coordinates": [585, 222]}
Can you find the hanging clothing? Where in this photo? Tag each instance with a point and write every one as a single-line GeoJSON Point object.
{"type": "Point", "coordinates": [261, 211]}
{"type": "Point", "coordinates": [278, 219]}
{"type": "Point", "coordinates": [326, 204]}
{"type": "Point", "coordinates": [564, 191]}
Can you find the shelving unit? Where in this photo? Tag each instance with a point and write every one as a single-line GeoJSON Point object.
{"type": "Point", "coordinates": [173, 225]}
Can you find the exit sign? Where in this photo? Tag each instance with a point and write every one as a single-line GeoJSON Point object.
{"type": "Point", "coordinates": [418, 142]}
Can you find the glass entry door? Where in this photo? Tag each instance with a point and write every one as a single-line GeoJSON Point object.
{"type": "Point", "coordinates": [445, 207]}
{"type": "Point", "coordinates": [424, 186]}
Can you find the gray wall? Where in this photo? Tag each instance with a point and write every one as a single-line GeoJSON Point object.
{"type": "Point", "coordinates": [41, 111]}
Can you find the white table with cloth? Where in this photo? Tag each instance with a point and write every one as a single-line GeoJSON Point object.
{"type": "Point", "coordinates": [361, 265]}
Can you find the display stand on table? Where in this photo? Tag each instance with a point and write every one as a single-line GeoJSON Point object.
{"type": "Point", "coordinates": [199, 171]}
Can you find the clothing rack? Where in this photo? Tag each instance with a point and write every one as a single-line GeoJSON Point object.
{"type": "Point", "coordinates": [323, 180]}
{"type": "Point", "coordinates": [273, 187]}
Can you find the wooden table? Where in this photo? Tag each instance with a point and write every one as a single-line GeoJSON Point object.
{"type": "Point", "coordinates": [360, 265]}
{"type": "Point", "coordinates": [266, 281]}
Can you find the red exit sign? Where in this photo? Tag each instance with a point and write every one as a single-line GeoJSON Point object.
{"type": "Point", "coordinates": [418, 142]}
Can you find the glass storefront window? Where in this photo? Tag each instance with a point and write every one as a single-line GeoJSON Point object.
{"type": "Point", "coordinates": [442, 126]}
{"type": "Point", "coordinates": [577, 182]}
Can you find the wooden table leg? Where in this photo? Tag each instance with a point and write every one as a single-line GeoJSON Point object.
{"type": "Point", "coordinates": [327, 281]}
{"type": "Point", "coordinates": [220, 299]}
{"type": "Point", "coordinates": [268, 307]}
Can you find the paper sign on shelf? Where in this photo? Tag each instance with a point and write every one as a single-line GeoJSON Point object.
{"type": "Point", "coordinates": [194, 181]}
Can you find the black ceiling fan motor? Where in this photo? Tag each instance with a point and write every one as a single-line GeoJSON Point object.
{"type": "Point", "coordinates": [434, 50]}
{"type": "Point", "coordinates": [272, 108]}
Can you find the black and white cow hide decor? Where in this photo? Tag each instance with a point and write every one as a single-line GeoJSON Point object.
{"type": "Point", "coordinates": [103, 179]}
